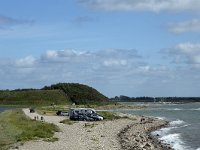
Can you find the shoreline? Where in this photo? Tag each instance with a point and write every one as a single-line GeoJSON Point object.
{"type": "Point", "coordinates": [126, 133]}
{"type": "Point", "coordinates": [132, 138]}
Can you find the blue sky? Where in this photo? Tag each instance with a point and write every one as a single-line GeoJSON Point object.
{"type": "Point", "coordinates": [130, 47]}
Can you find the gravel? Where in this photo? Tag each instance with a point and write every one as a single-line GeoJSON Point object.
{"type": "Point", "coordinates": [101, 135]}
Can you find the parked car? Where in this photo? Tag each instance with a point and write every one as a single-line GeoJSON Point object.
{"type": "Point", "coordinates": [84, 118]}
{"type": "Point", "coordinates": [62, 113]}
{"type": "Point", "coordinates": [84, 114]}
{"type": "Point", "coordinates": [32, 110]}
{"type": "Point", "coordinates": [96, 117]}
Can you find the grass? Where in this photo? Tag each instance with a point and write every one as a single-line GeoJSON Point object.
{"type": "Point", "coordinates": [109, 115]}
{"type": "Point", "coordinates": [16, 127]}
{"type": "Point", "coordinates": [33, 98]}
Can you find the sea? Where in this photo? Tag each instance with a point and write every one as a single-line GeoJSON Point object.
{"type": "Point", "coordinates": [183, 132]}
{"type": "Point", "coordinates": [3, 108]}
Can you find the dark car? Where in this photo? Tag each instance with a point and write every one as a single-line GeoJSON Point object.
{"type": "Point", "coordinates": [95, 117]}
{"type": "Point", "coordinates": [85, 118]}
{"type": "Point", "coordinates": [32, 110]}
{"type": "Point", "coordinates": [62, 113]}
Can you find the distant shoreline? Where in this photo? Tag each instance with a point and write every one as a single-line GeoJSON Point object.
{"type": "Point", "coordinates": [4, 108]}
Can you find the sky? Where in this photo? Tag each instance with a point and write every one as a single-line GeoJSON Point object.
{"type": "Point", "coordinates": [119, 47]}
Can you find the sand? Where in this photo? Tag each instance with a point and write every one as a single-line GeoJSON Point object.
{"type": "Point", "coordinates": [127, 134]}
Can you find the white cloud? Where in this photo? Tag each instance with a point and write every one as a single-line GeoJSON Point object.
{"type": "Point", "coordinates": [143, 5]}
{"type": "Point", "coordinates": [72, 66]}
{"type": "Point", "coordinates": [112, 71]}
{"type": "Point", "coordinates": [68, 55]}
{"type": "Point", "coordinates": [107, 57]}
{"type": "Point", "coordinates": [185, 53]}
{"type": "Point", "coordinates": [114, 62]}
{"type": "Point", "coordinates": [186, 26]}
{"type": "Point", "coordinates": [26, 62]}
{"type": "Point", "coordinates": [50, 54]}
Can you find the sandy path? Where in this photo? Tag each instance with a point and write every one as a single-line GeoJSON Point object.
{"type": "Point", "coordinates": [81, 135]}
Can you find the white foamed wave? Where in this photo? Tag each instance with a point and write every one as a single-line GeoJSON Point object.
{"type": "Point", "coordinates": [162, 131]}
{"type": "Point", "coordinates": [195, 109]}
{"type": "Point", "coordinates": [186, 125]}
{"type": "Point", "coordinates": [180, 109]}
{"type": "Point", "coordinates": [177, 122]}
{"type": "Point", "coordinates": [173, 124]}
{"type": "Point", "coordinates": [198, 148]}
{"type": "Point", "coordinates": [174, 140]}
{"type": "Point", "coordinates": [161, 118]}
{"type": "Point", "coordinates": [174, 109]}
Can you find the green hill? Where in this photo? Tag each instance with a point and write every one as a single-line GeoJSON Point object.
{"type": "Point", "coordinates": [59, 94]}
{"type": "Point", "coordinates": [33, 97]}
{"type": "Point", "coordinates": [79, 93]}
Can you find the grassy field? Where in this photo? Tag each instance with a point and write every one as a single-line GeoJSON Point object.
{"type": "Point", "coordinates": [16, 127]}
{"type": "Point", "coordinates": [33, 98]}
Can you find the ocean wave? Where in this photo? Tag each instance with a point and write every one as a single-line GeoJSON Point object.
{"type": "Point", "coordinates": [195, 109]}
{"type": "Point", "coordinates": [174, 109]}
{"type": "Point", "coordinates": [186, 125]}
{"type": "Point", "coordinates": [174, 140]}
{"type": "Point", "coordinates": [172, 125]}
{"type": "Point", "coordinates": [161, 118]}
{"type": "Point", "coordinates": [198, 148]}
{"type": "Point", "coordinates": [161, 132]}
{"type": "Point", "coordinates": [177, 122]}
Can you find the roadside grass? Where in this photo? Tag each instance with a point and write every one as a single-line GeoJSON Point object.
{"type": "Point", "coordinates": [109, 115]}
{"type": "Point", "coordinates": [16, 127]}
{"type": "Point", "coordinates": [112, 116]}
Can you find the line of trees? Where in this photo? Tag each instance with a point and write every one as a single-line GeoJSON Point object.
{"type": "Point", "coordinates": [123, 98]}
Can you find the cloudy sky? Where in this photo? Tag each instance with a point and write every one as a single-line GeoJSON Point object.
{"type": "Point", "coordinates": [129, 47]}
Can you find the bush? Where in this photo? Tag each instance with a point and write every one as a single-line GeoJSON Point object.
{"type": "Point", "coordinates": [109, 115]}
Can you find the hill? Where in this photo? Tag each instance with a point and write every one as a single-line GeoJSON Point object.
{"type": "Point", "coordinates": [59, 94]}
{"type": "Point", "coordinates": [79, 93]}
{"type": "Point", "coordinates": [33, 97]}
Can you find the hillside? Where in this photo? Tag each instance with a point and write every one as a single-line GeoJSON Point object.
{"type": "Point", "coordinates": [33, 97]}
{"type": "Point", "coordinates": [59, 94]}
{"type": "Point", "coordinates": [79, 93]}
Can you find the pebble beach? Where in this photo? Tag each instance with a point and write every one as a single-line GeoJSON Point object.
{"type": "Point", "coordinates": [121, 134]}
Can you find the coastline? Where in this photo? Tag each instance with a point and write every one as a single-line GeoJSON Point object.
{"type": "Point", "coordinates": [138, 135]}
{"type": "Point", "coordinates": [126, 133]}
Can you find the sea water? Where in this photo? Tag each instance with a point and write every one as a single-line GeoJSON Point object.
{"type": "Point", "coordinates": [183, 132]}
{"type": "Point", "coordinates": [2, 108]}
